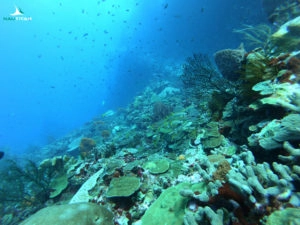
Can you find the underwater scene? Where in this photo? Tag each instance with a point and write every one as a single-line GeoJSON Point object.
{"type": "Point", "coordinates": [128, 112]}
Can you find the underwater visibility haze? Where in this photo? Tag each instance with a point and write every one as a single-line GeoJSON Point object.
{"type": "Point", "coordinates": [131, 112]}
{"type": "Point", "coordinates": [75, 60]}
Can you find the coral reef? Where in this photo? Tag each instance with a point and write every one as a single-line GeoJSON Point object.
{"type": "Point", "coordinates": [219, 152]}
{"type": "Point", "coordinates": [280, 11]}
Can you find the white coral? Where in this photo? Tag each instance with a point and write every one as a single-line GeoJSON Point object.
{"type": "Point", "coordinates": [82, 194]}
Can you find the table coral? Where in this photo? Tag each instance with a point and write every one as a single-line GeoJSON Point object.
{"type": "Point", "coordinates": [123, 186]}
{"type": "Point", "coordinates": [276, 132]}
{"type": "Point", "coordinates": [284, 95]}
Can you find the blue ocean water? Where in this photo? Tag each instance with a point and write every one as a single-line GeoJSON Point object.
{"type": "Point", "coordinates": [73, 60]}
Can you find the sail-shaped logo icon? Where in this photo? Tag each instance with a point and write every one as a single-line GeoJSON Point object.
{"type": "Point", "coordinates": [18, 15]}
{"type": "Point", "coordinates": [18, 12]}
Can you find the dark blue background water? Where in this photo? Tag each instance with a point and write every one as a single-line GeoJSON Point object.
{"type": "Point", "coordinates": [77, 59]}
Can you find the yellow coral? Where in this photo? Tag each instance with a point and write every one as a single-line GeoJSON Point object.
{"type": "Point", "coordinates": [181, 157]}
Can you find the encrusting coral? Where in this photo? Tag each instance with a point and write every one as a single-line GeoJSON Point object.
{"type": "Point", "coordinates": [80, 213]}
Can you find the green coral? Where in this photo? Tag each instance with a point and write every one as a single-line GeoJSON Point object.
{"type": "Point", "coordinates": [58, 184]}
{"type": "Point", "coordinates": [123, 186]}
{"type": "Point", "coordinates": [286, 216]}
{"type": "Point", "coordinates": [212, 137]}
{"type": "Point", "coordinates": [157, 166]}
{"type": "Point", "coordinates": [168, 209]}
{"type": "Point", "coordinates": [82, 213]}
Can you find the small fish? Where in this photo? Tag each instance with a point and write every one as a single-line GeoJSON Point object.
{"type": "Point", "coordinates": [84, 35]}
{"type": "Point", "coordinates": [166, 6]}
{"type": "Point", "coordinates": [1, 154]}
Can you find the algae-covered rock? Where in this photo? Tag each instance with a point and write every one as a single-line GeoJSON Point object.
{"type": "Point", "coordinates": [80, 213]}
{"type": "Point", "coordinates": [169, 208]}
{"type": "Point", "coordinates": [286, 216]}
{"type": "Point", "coordinates": [123, 186]}
{"type": "Point", "coordinates": [157, 166]}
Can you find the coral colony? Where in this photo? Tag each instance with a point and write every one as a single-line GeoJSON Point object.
{"type": "Point", "coordinates": [223, 147]}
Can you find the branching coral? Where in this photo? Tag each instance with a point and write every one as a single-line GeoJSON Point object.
{"type": "Point", "coordinates": [249, 191]}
